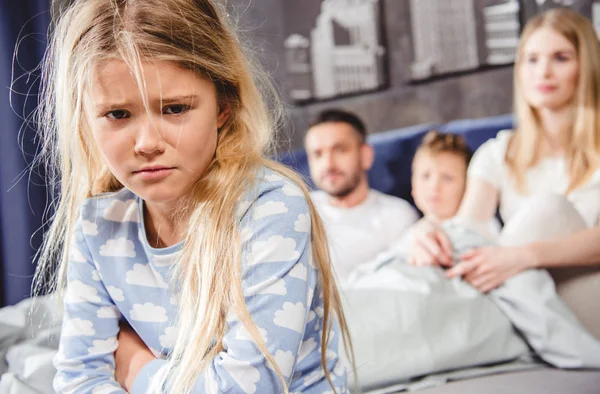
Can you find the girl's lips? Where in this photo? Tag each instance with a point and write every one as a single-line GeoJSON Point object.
{"type": "Point", "coordinates": [154, 172]}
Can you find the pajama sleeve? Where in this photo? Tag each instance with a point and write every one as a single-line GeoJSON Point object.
{"type": "Point", "coordinates": [85, 359]}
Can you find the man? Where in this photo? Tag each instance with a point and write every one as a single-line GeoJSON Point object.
{"type": "Point", "coordinates": [360, 222]}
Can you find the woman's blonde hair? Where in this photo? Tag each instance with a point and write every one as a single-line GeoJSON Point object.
{"type": "Point", "coordinates": [583, 143]}
{"type": "Point", "coordinates": [195, 35]}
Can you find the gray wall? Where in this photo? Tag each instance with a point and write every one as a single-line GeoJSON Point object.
{"type": "Point", "coordinates": [473, 94]}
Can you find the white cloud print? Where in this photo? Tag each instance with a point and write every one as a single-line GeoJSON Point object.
{"type": "Point", "coordinates": [291, 316]}
{"type": "Point", "coordinates": [75, 256]}
{"type": "Point", "coordinates": [121, 247]}
{"type": "Point", "coordinates": [148, 313]}
{"type": "Point", "coordinates": [108, 312]}
{"type": "Point", "coordinates": [122, 211]}
{"type": "Point", "coordinates": [102, 346]}
{"type": "Point", "coordinates": [302, 225]}
{"type": "Point", "coordinates": [89, 228]}
{"type": "Point", "coordinates": [273, 178]}
{"type": "Point", "coordinates": [285, 361]}
{"type": "Point", "coordinates": [168, 338]}
{"type": "Point", "coordinates": [245, 375]}
{"type": "Point", "coordinates": [299, 271]}
{"type": "Point", "coordinates": [268, 209]}
{"type": "Point", "coordinates": [115, 293]}
{"type": "Point", "coordinates": [77, 327]}
{"type": "Point", "coordinates": [276, 248]}
{"type": "Point", "coordinates": [77, 291]}
{"type": "Point", "coordinates": [243, 334]}
{"type": "Point", "coordinates": [292, 190]}
{"type": "Point", "coordinates": [144, 275]}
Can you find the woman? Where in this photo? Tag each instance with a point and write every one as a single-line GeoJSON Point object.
{"type": "Point", "coordinates": [543, 176]}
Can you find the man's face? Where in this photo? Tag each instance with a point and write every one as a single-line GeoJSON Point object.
{"type": "Point", "coordinates": [336, 158]}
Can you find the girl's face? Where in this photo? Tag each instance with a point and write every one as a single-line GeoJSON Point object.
{"type": "Point", "coordinates": [438, 183]}
{"type": "Point", "coordinates": [158, 151]}
{"type": "Point", "coordinates": [549, 70]}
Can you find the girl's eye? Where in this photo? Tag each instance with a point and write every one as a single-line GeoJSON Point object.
{"type": "Point", "coordinates": [117, 114]}
{"type": "Point", "coordinates": [176, 109]}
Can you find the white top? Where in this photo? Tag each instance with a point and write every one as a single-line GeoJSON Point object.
{"type": "Point", "coordinates": [357, 235]}
{"type": "Point", "coordinates": [549, 176]}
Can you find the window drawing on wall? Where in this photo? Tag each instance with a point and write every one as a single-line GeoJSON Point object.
{"type": "Point", "coordinates": [333, 48]}
{"type": "Point", "coordinates": [588, 8]}
{"type": "Point", "coordinates": [460, 35]}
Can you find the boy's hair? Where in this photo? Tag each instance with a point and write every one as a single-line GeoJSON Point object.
{"type": "Point", "coordinates": [436, 142]}
{"type": "Point", "coordinates": [338, 115]}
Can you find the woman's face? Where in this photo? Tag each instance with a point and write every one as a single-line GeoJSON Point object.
{"type": "Point", "coordinates": [548, 70]}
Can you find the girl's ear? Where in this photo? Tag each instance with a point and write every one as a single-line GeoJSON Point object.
{"type": "Point", "coordinates": [225, 112]}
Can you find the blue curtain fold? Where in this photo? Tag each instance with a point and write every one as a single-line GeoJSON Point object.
{"type": "Point", "coordinates": [23, 26]}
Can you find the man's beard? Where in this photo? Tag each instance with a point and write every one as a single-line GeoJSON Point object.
{"type": "Point", "coordinates": [347, 188]}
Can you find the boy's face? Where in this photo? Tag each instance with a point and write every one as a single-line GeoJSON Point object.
{"type": "Point", "coordinates": [438, 183]}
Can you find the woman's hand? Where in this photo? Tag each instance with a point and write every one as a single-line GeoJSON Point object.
{"type": "Point", "coordinates": [429, 245]}
{"type": "Point", "coordinates": [489, 267]}
{"type": "Point", "coordinates": [130, 357]}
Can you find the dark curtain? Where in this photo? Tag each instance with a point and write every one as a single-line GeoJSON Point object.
{"type": "Point", "coordinates": [23, 26]}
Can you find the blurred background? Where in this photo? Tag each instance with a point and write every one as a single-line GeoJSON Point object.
{"type": "Point", "coordinates": [395, 63]}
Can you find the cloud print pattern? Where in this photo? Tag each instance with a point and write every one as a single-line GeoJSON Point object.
{"type": "Point", "coordinates": [113, 273]}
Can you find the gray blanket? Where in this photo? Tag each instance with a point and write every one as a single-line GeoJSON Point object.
{"type": "Point", "coordinates": [407, 322]}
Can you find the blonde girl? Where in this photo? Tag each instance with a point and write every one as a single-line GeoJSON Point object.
{"type": "Point", "coordinates": [191, 262]}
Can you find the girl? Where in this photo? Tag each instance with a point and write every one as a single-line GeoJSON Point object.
{"type": "Point", "coordinates": [195, 264]}
{"type": "Point", "coordinates": [544, 176]}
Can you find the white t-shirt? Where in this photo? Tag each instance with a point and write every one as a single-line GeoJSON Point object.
{"type": "Point", "coordinates": [357, 235]}
{"type": "Point", "coordinates": [549, 176]}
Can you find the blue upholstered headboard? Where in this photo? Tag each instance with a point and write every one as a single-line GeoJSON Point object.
{"type": "Point", "coordinates": [395, 149]}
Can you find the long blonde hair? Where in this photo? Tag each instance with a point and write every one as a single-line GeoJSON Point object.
{"type": "Point", "coordinates": [194, 35]}
{"type": "Point", "coordinates": [583, 144]}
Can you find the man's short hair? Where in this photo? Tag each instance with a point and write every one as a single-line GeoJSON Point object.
{"type": "Point", "coordinates": [338, 115]}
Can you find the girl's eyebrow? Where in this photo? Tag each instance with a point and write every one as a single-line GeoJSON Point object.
{"type": "Point", "coordinates": [178, 99]}
{"type": "Point", "coordinates": [102, 107]}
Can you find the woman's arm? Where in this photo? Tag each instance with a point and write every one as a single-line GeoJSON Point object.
{"type": "Point", "coordinates": [479, 203]}
{"type": "Point", "coordinates": [581, 248]}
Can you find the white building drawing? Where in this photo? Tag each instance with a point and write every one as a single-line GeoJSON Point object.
{"type": "Point", "coordinates": [346, 53]}
{"type": "Point", "coordinates": [444, 35]}
{"type": "Point", "coordinates": [596, 16]}
{"type": "Point", "coordinates": [502, 32]}
{"type": "Point", "coordinates": [297, 59]}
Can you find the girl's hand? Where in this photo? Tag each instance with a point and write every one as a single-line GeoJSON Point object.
{"type": "Point", "coordinates": [489, 267]}
{"type": "Point", "coordinates": [429, 245]}
{"type": "Point", "coordinates": [130, 357]}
